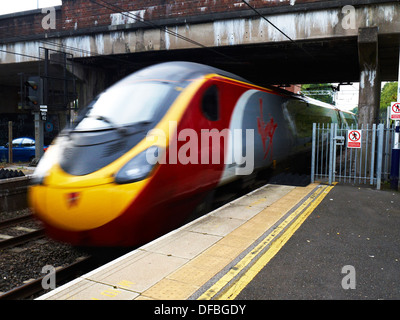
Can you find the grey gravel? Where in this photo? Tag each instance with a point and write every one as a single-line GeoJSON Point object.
{"type": "Point", "coordinates": [22, 263]}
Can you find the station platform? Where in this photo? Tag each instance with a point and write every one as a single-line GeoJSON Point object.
{"type": "Point", "coordinates": [186, 261]}
{"type": "Point", "coordinates": [228, 253]}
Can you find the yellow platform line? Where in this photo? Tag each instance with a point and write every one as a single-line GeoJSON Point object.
{"type": "Point", "coordinates": [275, 240]}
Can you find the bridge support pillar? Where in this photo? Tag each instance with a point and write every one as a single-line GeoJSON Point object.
{"type": "Point", "coordinates": [370, 83]}
{"type": "Point", "coordinates": [91, 82]}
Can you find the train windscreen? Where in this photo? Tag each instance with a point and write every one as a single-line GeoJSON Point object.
{"type": "Point", "coordinates": [126, 105]}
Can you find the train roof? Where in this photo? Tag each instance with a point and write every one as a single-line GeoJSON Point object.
{"type": "Point", "coordinates": [179, 71]}
{"type": "Point", "coordinates": [182, 70]}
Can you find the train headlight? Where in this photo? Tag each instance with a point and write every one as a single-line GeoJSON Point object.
{"type": "Point", "coordinates": [139, 167]}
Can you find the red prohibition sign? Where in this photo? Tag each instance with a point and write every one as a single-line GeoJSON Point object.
{"type": "Point", "coordinates": [396, 108]}
{"type": "Point", "coordinates": [354, 136]}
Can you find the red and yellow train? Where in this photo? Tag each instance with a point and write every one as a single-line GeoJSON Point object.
{"type": "Point", "coordinates": [146, 151]}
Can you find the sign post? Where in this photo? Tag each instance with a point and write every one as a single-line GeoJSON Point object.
{"type": "Point", "coordinates": [39, 135]}
{"type": "Point", "coordinates": [10, 139]}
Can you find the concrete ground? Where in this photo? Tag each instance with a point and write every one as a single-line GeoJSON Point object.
{"type": "Point", "coordinates": [348, 248]}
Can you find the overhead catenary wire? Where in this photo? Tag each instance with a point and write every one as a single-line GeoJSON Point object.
{"type": "Point", "coordinates": [90, 53]}
{"type": "Point", "coordinates": [20, 54]}
{"type": "Point", "coordinates": [273, 25]}
{"type": "Point", "coordinates": [131, 15]}
{"type": "Point", "coordinates": [139, 18]}
{"type": "Point", "coordinates": [136, 17]}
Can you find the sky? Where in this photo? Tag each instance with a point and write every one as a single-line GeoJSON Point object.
{"type": "Point", "coordinates": [347, 97]}
{"type": "Point", "coordinates": [23, 5]}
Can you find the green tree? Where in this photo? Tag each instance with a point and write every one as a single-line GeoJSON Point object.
{"type": "Point", "coordinates": [322, 92]}
{"type": "Point", "coordinates": [355, 110]}
{"type": "Point", "coordinates": [388, 94]}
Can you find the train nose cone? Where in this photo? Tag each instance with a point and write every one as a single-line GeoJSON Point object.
{"type": "Point", "coordinates": [84, 208]}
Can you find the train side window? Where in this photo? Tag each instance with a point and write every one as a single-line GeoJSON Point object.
{"type": "Point", "coordinates": [210, 103]}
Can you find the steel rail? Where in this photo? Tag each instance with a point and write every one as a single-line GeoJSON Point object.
{"type": "Point", "coordinates": [34, 287]}
{"type": "Point", "coordinates": [12, 221]}
{"type": "Point", "coordinates": [14, 241]}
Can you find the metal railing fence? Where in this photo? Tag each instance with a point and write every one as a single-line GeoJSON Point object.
{"type": "Point", "coordinates": [336, 158]}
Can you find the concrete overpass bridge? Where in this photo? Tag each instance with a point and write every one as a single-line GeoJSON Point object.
{"type": "Point", "coordinates": [265, 41]}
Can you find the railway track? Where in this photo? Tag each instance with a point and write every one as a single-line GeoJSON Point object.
{"type": "Point", "coordinates": [7, 240]}
{"type": "Point", "coordinates": [23, 257]}
{"type": "Point", "coordinates": [24, 251]}
{"type": "Point", "coordinates": [35, 287]}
